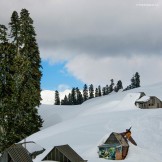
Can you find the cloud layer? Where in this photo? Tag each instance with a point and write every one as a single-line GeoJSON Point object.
{"type": "Point", "coordinates": [100, 71]}
{"type": "Point", "coordinates": [113, 37]}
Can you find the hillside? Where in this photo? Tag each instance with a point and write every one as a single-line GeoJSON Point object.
{"type": "Point", "coordinates": [86, 126]}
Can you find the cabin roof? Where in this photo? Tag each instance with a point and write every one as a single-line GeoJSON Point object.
{"type": "Point", "coordinates": [67, 151]}
{"type": "Point", "coordinates": [116, 138]}
{"type": "Point", "coordinates": [17, 153]}
{"type": "Point", "coordinates": [143, 99]}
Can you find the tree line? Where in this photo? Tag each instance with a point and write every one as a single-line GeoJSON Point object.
{"type": "Point", "coordinates": [76, 97]}
{"type": "Point", "coordinates": [20, 77]}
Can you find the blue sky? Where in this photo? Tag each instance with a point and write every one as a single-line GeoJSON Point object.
{"type": "Point", "coordinates": [56, 77]}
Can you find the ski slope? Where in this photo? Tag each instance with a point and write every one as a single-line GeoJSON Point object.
{"type": "Point", "coordinates": [86, 126]}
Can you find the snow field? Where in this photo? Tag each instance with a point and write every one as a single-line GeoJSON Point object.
{"type": "Point", "coordinates": [86, 126]}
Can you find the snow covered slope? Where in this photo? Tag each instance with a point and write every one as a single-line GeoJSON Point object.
{"type": "Point", "coordinates": [86, 126]}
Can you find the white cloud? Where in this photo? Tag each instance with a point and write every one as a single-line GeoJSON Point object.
{"type": "Point", "coordinates": [100, 71]}
{"type": "Point", "coordinates": [63, 87]}
{"type": "Point", "coordinates": [97, 28]}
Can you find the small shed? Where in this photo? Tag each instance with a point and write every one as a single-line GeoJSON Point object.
{"type": "Point", "coordinates": [15, 153]}
{"type": "Point", "coordinates": [148, 102]}
{"type": "Point", "coordinates": [63, 153]}
{"type": "Point", "coordinates": [115, 148]}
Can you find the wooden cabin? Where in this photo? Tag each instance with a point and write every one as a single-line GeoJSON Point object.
{"type": "Point", "coordinates": [15, 153]}
{"type": "Point", "coordinates": [115, 148]}
{"type": "Point", "coordinates": [148, 102]}
{"type": "Point", "coordinates": [63, 153]}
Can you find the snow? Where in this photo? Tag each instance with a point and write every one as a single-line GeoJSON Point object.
{"type": "Point", "coordinates": [48, 97]}
{"type": "Point", "coordinates": [85, 127]}
{"type": "Point", "coordinates": [144, 99]}
{"type": "Point", "coordinates": [32, 147]}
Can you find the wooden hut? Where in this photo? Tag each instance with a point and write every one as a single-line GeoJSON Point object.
{"type": "Point", "coordinates": [115, 148]}
{"type": "Point", "coordinates": [63, 153]}
{"type": "Point", "coordinates": [15, 153]}
{"type": "Point", "coordinates": [148, 102]}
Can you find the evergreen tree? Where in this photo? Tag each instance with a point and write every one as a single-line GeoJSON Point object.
{"type": "Point", "coordinates": [96, 92]}
{"type": "Point", "coordinates": [79, 97]}
{"type": "Point", "coordinates": [57, 98]}
{"type": "Point", "coordinates": [111, 85]}
{"type": "Point", "coordinates": [3, 34]}
{"type": "Point", "coordinates": [15, 30]}
{"type": "Point", "coordinates": [107, 90]}
{"type": "Point", "coordinates": [85, 92]}
{"type": "Point", "coordinates": [99, 90]}
{"type": "Point", "coordinates": [133, 84]}
{"type": "Point", "coordinates": [103, 91]}
{"type": "Point", "coordinates": [64, 101]}
{"type": "Point", "coordinates": [137, 79]}
{"type": "Point", "coordinates": [118, 86]}
{"type": "Point", "coordinates": [73, 96]}
{"type": "Point", "coordinates": [91, 91]}
{"type": "Point", "coordinates": [7, 112]}
{"type": "Point", "coordinates": [30, 93]}
{"type": "Point", "coordinates": [70, 99]}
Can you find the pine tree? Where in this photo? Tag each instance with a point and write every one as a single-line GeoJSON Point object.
{"type": "Point", "coordinates": [85, 92]}
{"type": "Point", "coordinates": [57, 98]}
{"type": "Point", "coordinates": [107, 90]}
{"type": "Point", "coordinates": [99, 90]}
{"type": "Point", "coordinates": [111, 85]}
{"type": "Point", "coordinates": [30, 93]}
{"type": "Point", "coordinates": [137, 79]}
{"type": "Point", "coordinates": [96, 92]}
{"type": "Point", "coordinates": [133, 84]}
{"type": "Point", "coordinates": [91, 91]}
{"type": "Point", "coordinates": [7, 112]}
{"type": "Point", "coordinates": [70, 99]}
{"type": "Point", "coordinates": [118, 86]}
{"type": "Point", "coordinates": [79, 96]}
{"type": "Point", "coordinates": [73, 96]}
{"type": "Point", "coordinates": [15, 30]}
{"type": "Point", "coordinates": [103, 91]}
{"type": "Point", "coordinates": [3, 34]}
{"type": "Point", "coordinates": [65, 101]}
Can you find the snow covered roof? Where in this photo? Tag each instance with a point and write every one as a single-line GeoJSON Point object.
{"type": "Point", "coordinates": [119, 139]}
{"type": "Point", "coordinates": [67, 151]}
{"type": "Point", "coordinates": [143, 99]}
{"type": "Point", "coordinates": [32, 147]}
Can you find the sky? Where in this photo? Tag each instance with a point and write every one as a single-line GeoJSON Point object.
{"type": "Point", "coordinates": [93, 41]}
